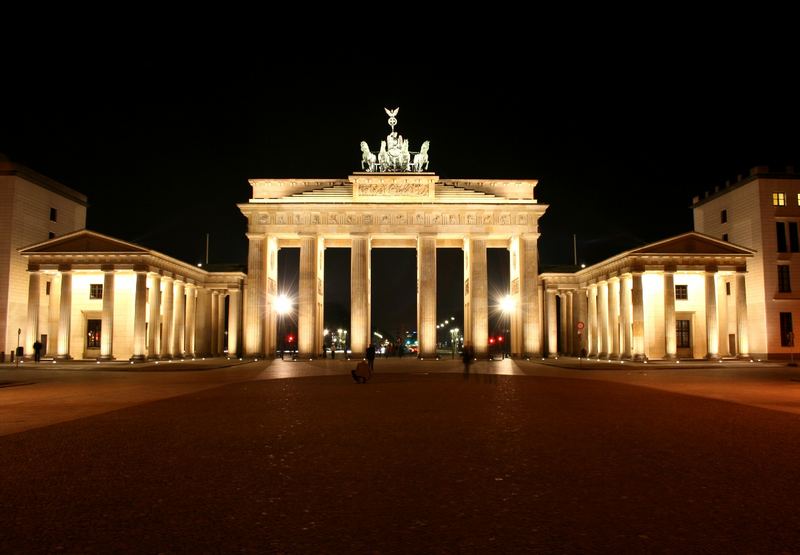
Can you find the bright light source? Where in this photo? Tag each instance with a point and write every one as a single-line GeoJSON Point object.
{"type": "Point", "coordinates": [325, 331]}
{"type": "Point", "coordinates": [507, 303]}
{"type": "Point", "coordinates": [283, 304]}
{"type": "Point", "coordinates": [583, 265]}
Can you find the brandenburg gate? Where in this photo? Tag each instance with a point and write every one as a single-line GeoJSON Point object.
{"type": "Point", "coordinates": [392, 203]}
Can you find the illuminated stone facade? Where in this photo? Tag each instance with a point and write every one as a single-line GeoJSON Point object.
{"type": "Point", "coordinates": [683, 297]}
{"type": "Point", "coordinates": [379, 210]}
{"type": "Point", "coordinates": [96, 297]}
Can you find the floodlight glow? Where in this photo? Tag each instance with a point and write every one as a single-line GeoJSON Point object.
{"type": "Point", "coordinates": [507, 303]}
{"type": "Point", "coordinates": [283, 304]}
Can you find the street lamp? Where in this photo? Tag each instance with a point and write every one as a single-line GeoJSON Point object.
{"type": "Point", "coordinates": [453, 340]}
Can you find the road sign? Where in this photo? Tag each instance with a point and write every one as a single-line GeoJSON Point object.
{"type": "Point", "coordinates": [580, 325]}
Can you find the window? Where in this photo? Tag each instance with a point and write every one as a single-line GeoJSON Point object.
{"type": "Point", "coordinates": [798, 199]}
{"type": "Point", "coordinates": [682, 292]}
{"type": "Point", "coordinates": [53, 215]}
{"type": "Point", "coordinates": [723, 216]}
{"type": "Point", "coordinates": [47, 288]}
{"type": "Point", "coordinates": [794, 244]}
{"type": "Point", "coordinates": [93, 329]}
{"type": "Point", "coordinates": [780, 231]}
{"type": "Point", "coordinates": [728, 288]}
{"type": "Point", "coordinates": [683, 334]}
{"type": "Point", "coordinates": [787, 335]}
{"type": "Point", "coordinates": [778, 199]}
{"type": "Point", "coordinates": [784, 281]}
{"type": "Point", "coordinates": [724, 236]}
{"type": "Point", "coordinates": [96, 291]}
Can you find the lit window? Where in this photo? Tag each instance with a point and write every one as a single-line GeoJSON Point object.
{"type": "Point", "coordinates": [53, 215]}
{"type": "Point", "coordinates": [682, 292]}
{"type": "Point", "coordinates": [784, 281]}
{"type": "Point", "coordinates": [778, 199]}
{"type": "Point", "coordinates": [96, 291]}
{"type": "Point", "coordinates": [798, 199]}
{"type": "Point", "coordinates": [723, 216]}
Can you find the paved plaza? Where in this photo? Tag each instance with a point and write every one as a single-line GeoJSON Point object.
{"type": "Point", "coordinates": [293, 457]}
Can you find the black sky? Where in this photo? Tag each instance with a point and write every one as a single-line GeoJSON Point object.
{"type": "Point", "coordinates": [622, 128]}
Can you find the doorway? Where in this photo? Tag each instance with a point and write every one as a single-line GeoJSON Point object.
{"type": "Point", "coordinates": [683, 337]}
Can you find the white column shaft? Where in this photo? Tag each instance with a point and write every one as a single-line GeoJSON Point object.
{"type": "Point", "coordinates": [53, 313]}
{"type": "Point", "coordinates": [603, 319]}
{"type": "Point", "coordinates": [139, 316]}
{"type": "Point", "coordinates": [552, 324]}
{"type": "Point", "coordinates": [178, 318]}
{"type": "Point", "coordinates": [32, 326]}
{"type": "Point", "coordinates": [307, 307]}
{"type": "Point", "coordinates": [221, 324]}
{"type": "Point", "coordinates": [107, 323]}
{"type": "Point", "coordinates": [712, 329]}
{"type": "Point", "coordinates": [637, 299]}
{"type": "Point", "coordinates": [153, 343]}
{"type": "Point", "coordinates": [478, 295]}
{"type": "Point", "coordinates": [626, 310]}
{"type": "Point", "coordinates": [166, 318]}
{"type": "Point", "coordinates": [613, 317]}
{"type": "Point", "coordinates": [65, 315]}
{"type": "Point", "coordinates": [191, 319]}
{"type": "Point", "coordinates": [741, 316]}
{"type": "Point", "coordinates": [214, 348]}
{"type": "Point", "coordinates": [426, 295]}
{"type": "Point", "coordinates": [234, 325]}
{"type": "Point", "coordinates": [670, 331]}
{"type": "Point", "coordinates": [592, 327]}
{"type": "Point", "coordinates": [359, 295]}
{"type": "Point", "coordinates": [255, 297]}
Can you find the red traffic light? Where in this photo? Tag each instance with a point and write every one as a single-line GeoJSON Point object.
{"type": "Point", "coordinates": [491, 341]}
{"type": "Point", "coordinates": [291, 338]}
{"type": "Point", "coordinates": [500, 339]}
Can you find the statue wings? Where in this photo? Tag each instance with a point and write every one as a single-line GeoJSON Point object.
{"type": "Point", "coordinates": [391, 113]}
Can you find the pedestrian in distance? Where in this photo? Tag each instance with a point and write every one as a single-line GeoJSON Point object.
{"type": "Point", "coordinates": [371, 356]}
{"type": "Point", "coordinates": [37, 351]}
{"type": "Point", "coordinates": [466, 356]}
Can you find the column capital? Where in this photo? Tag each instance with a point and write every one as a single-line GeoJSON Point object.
{"type": "Point", "coordinates": [614, 279]}
{"type": "Point", "coordinates": [741, 269]}
{"type": "Point", "coordinates": [670, 268]}
{"type": "Point", "coordinates": [711, 269]}
{"type": "Point", "coordinates": [65, 268]}
{"type": "Point", "coordinates": [166, 277]}
{"type": "Point", "coordinates": [256, 236]}
{"type": "Point", "coordinates": [33, 268]}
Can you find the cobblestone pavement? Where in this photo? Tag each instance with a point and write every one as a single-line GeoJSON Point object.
{"type": "Point", "coordinates": [521, 457]}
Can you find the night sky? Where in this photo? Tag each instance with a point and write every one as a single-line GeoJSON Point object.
{"type": "Point", "coordinates": [620, 132]}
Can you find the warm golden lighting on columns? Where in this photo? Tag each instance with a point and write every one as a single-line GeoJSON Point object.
{"type": "Point", "coordinates": [592, 332]}
{"type": "Point", "coordinates": [741, 315]}
{"type": "Point", "coordinates": [255, 297]}
{"type": "Point", "coordinates": [214, 347]}
{"type": "Point", "coordinates": [191, 318]}
{"type": "Point", "coordinates": [580, 308]}
{"type": "Point", "coordinates": [426, 295]}
{"type": "Point", "coordinates": [552, 323]}
{"type": "Point", "coordinates": [359, 294]}
{"type": "Point", "coordinates": [65, 314]}
{"type": "Point", "coordinates": [179, 318]}
{"type": "Point", "coordinates": [153, 345]}
{"type": "Point", "coordinates": [529, 294]}
{"type": "Point", "coordinates": [52, 316]}
{"type": "Point", "coordinates": [712, 329]}
{"type": "Point", "coordinates": [307, 306]}
{"type": "Point", "coordinates": [139, 315]}
{"type": "Point", "coordinates": [602, 309]}
{"type": "Point", "coordinates": [32, 326]}
{"type": "Point", "coordinates": [563, 329]}
{"type": "Point", "coordinates": [107, 325]}
{"type": "Point", "coordinates": [626, 310]}
{"type": "Point", "coordinates": [613, 317]}
{"type": "Point", "coordinates": [477, 294]}
{"type": "Point", "coordinates": [221, 323]}
{"type": "Point", "coordinates": [569, 346]}
{"type": "Point", "coordinates": [637, 300]}
{"type": "Point", "coordinates": [234, 322]}
{"type": "Point", "coordinates": [166, 317]}
{"type": "Point", "coordinates": [670, 332]}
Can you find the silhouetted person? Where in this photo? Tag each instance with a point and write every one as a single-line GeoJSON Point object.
{"type": "Point", "coordinates": [333, 353]}
{"type": "Point", "coordinates": [37, 351]}
{"type": "Point", "coordinates": [466, 356]}
{"type": "Point", "coordinates": [371, 356]}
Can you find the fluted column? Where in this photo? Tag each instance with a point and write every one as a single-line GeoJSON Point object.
{"type": "Point", "coordinates": [637, 299]}
{"type": "Point", "coordinates": [670, 338]}
{"type": "Point", "coordinates": [625, 316]}
{"type": "Point", "coordinates": [139, 315]}
{"type": "Point", "coordinates": [179, 318]}
{"type": "Point", "coordinates": [65, 315]}
{"type": "Point", "coordinates": [563, 329]}
{"type": "Point", "coordinates": [32, 326]}
{"type": "Point", "coordinates": [309, 321]}
{"type": "Point", "coordinates": [602, 307]}
{"type": "Point", "coordinates": [53, 314]}
{"type": "Point", "coordinates": [234, 322]}
{"type": "Point", "coordinates": [107, 323]}
{"type": "Point", "coordinates": [476, 295]}
{"type": "Point", "coordinates": [191, 314]}
{"type": "Point", "coordinates": [552, 324]}
{"type": "Point", "coordinates": [255, 296]}
{"type": "Point", "coordinates": [569, 348]}
{"type": "Point", "coordinates": [613, 317]}
{"type": "Point", "coordinates": [203, 322]}
{"type": "Point", "coordinates": [221, 324]}
{"type": "Point", "coordinates": [214, 347]}
{"type": "Point", "coordinates": [712, 328]}
{"type": "Point", "coordinates": [166, 318]}
{"type": "Point", "coordinates": [153, 343]}
{"type": "Point", "coordinates": [741, 315]}
{"type": "Point", "coordinates": [426, 295]}
{"type": "Point", "coordinates": [581, 315]}
{"type": "Point", "coordinates": [359, 294]}
{"type": "Point", "coordinates": [592, 337]}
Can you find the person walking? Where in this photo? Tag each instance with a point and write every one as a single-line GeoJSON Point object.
{"type": "Point", "coordinates": [466, 356]}
{"type": "Point", "coordinates": [37, 351]}
{"type": "Point", "coordinates": [371, 357]}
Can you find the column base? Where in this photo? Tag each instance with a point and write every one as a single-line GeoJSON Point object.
{"type": "Point", "coordinates": [106, 358]}
{"type": "Point", "coordinates": [63, 357]}
{"type": "Point", "coordinates": [639, 358]}
{"type": "Point", "coordinates": [712, 356]}
{"type": "Point", "coordinates": [138, 358]}
{"type": "Point", "coordinates": [308, 356]}
{"type": "Point", "coordinates": [428, 356]}
{"type": "Point", "coordinates": [603, 356]}
{"type": "Point", "coordinates": [743, 356]}
{"type": "Point", "coordinates": [671, 356]}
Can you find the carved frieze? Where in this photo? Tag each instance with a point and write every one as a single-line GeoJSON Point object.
{"type": "Point", "coordinates": [390, 217]}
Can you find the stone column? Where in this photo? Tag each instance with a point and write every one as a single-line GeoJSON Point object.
{"type": "Point", "coordinates": [569, 348]}
{"type": "Point", "coordinates": [32, 326]}
{"type": "Point", "coordinates": [613, 317]}
{"type": "Point", "coordinates": [552, 324]}
{"type": "Point", "coordinates": [255, 296]}
{"type": "Point", "coordinates": [65, 315]}
{"type": "Point", "coordinates": [476, 294]}
{"type": "Point", "coordinates": [153, 343]}
{"type": "Point", "coordinates": [166, 318]}
{"type": "Point", "coordinates": [637, 299]}
{"type": "Point", "coordinates": [179, 318]}
{"type": "Point", "coordinates": [309, 310]}
{"type": "Point", "coordinates": [712, 329]}
{"type": "Point", "coordinates": [202, 323]}
{"type": "Point", "coordinates": [426, 295]}
{"type": "Point", "coordinates": [625, 316]}
{"type": "Point", "coordinates": [221, 323]}
{"type": "Point", "coordinates": [53, 314]}
{"type": "Point", "coordinates": [529, 294]}
{"type": "Point", "coordinates": [741, 315]}
{"type": "Point", "coordinates": [592, 337]}
{"type": "Point", "coordinates": [213, 347]}
{"type": "Point", "coordinates": [107, 323]}
{"type": "Point", "coordinates": [564, 328]}
{"type": "Point", "coordinates": [139, 315]}
{"type": "Point", "coordinates": [670, 338]}
{"type": "Point", "coordinates": [603, 317]}
{"type": "Point", "coordinates": [270, 330]}
{"type": "Point", "coordinates": [359, 294]}
{"type": "Point", "coordinates": [581, 308]}
{"type": "Point", "coordinates": [234, 325]}
{"type": "Point", "coordinates": [191, 314]}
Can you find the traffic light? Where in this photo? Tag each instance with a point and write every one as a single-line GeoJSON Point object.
{"type": "Point", "coordinates": [291, 338]}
